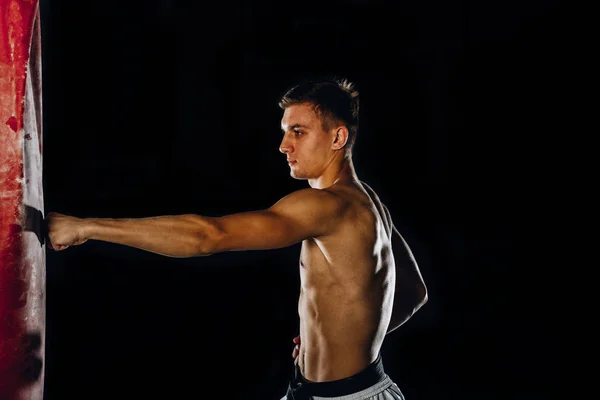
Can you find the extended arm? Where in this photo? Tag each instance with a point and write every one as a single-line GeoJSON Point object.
{"type": "Point", "coordinates": [302, 214]}
{"type": "Point", "coordinates": [172, 236]}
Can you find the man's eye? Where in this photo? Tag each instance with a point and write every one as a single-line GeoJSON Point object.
{"type": "Point", "coordinates": [298, 132]}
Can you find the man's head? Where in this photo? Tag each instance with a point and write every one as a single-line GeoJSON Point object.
{"type": "Point", "coordinates": [320, 124]}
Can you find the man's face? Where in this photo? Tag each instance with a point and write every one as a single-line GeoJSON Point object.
{"type": "Point", "coordinates": [305, 143]}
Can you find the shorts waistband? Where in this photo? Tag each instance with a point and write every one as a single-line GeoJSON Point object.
{"type": "Point", "coordinates": [299, 388]}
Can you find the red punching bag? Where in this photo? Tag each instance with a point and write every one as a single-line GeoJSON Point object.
{"type": "Point", "coordinates": [22, 249]}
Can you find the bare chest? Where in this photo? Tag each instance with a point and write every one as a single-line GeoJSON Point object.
{"type": "Point", "coordinates": [315, 264]}
{"type": "Point", "coordinates": [322, 267]}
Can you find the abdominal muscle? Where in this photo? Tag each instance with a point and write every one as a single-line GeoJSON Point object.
{"type": "Point", "coordinates": [341, 333]}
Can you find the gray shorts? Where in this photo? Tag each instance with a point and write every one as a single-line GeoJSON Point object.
{"type": "Point", "coordinates": [384, 390]}
{"type": "Point", "coordinates": [369, 384]}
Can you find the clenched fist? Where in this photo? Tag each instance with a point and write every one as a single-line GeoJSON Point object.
{"type": "Point", "coordinates": [65, 231]}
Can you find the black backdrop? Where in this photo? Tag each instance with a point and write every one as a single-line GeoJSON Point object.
{"type": "Point", "coordinates": [170, 107]}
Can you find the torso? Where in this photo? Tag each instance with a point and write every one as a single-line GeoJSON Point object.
{"type": "Point", "coordinates": [346, 293]}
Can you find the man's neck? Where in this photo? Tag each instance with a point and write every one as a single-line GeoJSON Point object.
{"type": "Point", "coordinates": [341, 172]}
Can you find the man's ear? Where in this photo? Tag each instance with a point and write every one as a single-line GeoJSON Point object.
{"type": "Point", "coordinates": [341, 138]}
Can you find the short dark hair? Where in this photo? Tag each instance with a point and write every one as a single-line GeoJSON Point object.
{"type": "Point", "coordinates": [335, 100]}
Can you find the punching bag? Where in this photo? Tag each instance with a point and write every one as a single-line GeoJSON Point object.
{"type": "Point", "coordinates": [22, 247]}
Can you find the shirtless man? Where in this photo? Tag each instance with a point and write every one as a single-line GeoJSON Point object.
{"type": "Point", "coordinates": [359, 279]}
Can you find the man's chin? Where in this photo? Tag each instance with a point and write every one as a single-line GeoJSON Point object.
{"type": "Point", "coordinates": [297, 176]}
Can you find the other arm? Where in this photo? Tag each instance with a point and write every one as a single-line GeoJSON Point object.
{"type": "Point", "coordinates": [410, 292]}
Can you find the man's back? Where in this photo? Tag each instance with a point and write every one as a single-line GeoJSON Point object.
{"type": "Point", "coordinates": [347, 289]}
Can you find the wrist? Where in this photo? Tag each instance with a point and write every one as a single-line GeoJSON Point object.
{"type": "Point", "coordinates": [88, 227]}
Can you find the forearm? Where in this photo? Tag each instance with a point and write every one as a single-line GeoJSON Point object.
{"type": "Point", "coordinates": [400, 316]}
{"type": "Point", "coordinates": [173, 236]}
{"type": "Point", "coordinates": [405, 306]}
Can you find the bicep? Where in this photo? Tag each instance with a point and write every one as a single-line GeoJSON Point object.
{"type": "Point", "coordinates": [407, 269]}
{"type": "Point", "coordinates": [258, 230]}
{"type": "Point", "coordinates": [409, 281]}
{"type": "Point", "coordinates": [298, 216]}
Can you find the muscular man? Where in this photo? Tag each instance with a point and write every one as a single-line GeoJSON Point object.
{"type": "Point", "coordinates": [359, 279]}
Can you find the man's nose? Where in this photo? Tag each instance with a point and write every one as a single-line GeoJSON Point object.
{"type": "Point", "coordinates": [285, 146]}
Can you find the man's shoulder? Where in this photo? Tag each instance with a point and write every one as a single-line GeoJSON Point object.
{"type": "Point", "coordinates": [371, 192]}
{"type": "Point", "coordinates": [328, 199]}
{"type": "Point", "coordinates": [383, 210]}
{"type": "Point", "coordinates": [313, 201]}
{"type": "Point", "coordinates": [312, 194]}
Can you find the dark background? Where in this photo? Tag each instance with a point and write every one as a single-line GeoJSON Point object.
{"type": "Point", "coordinates": [170, 107]}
